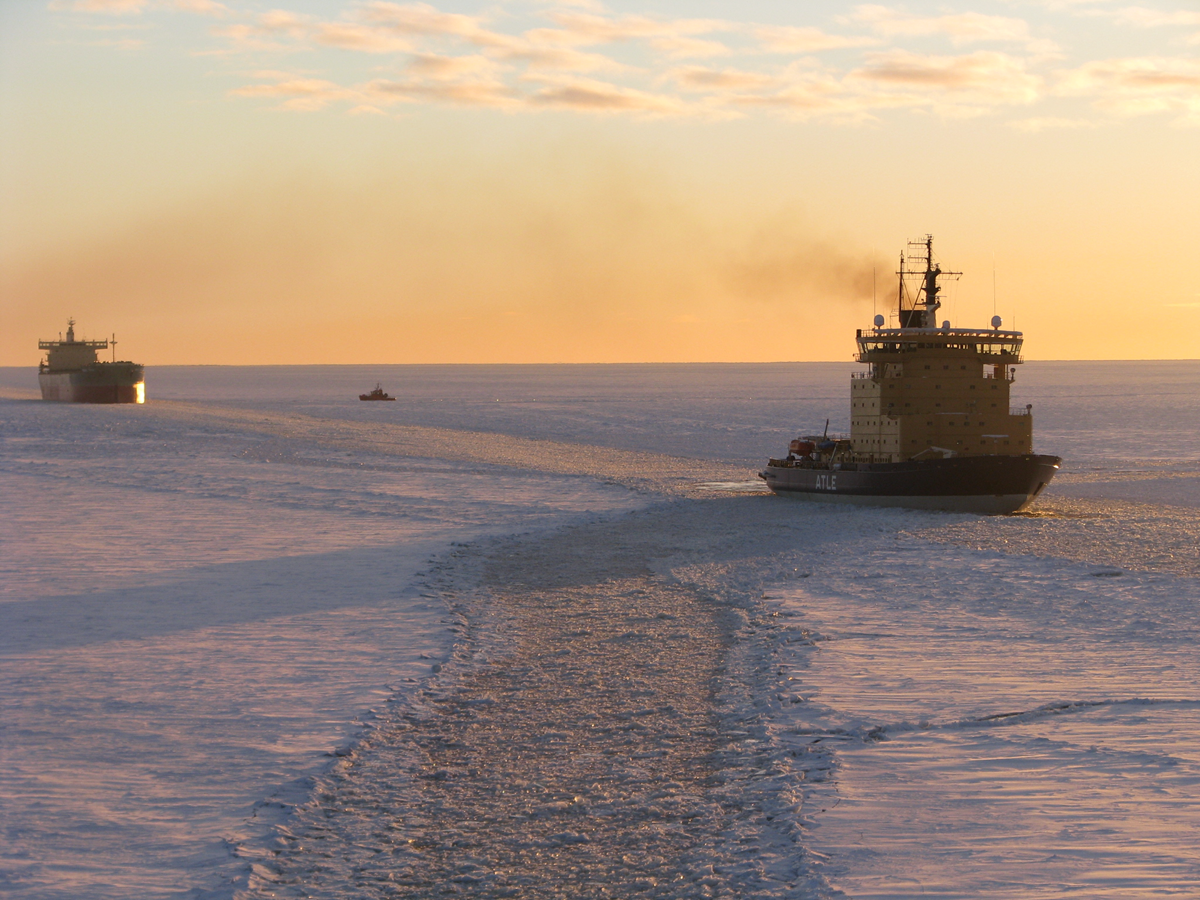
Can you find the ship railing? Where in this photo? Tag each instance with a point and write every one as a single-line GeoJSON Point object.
{"type": "Point", "coordinates": [1002, 345]}
{"type": "Point", "coordinates": [91, 345]}
{"type": "Point", "coordinates": [868, 375]}
{"type": "Point", "coordinates": [984, 334]}
{"type": "Point", "coordinates": [939, 340]}
{"type": "Point", "coordinates": [894, 353]}
{"type": "Point", "coordinates": [1021, 411]}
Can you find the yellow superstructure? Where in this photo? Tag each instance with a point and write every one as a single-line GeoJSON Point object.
{"type": "Point", "coordinates": [935, 391]}
{"type": "Point", "coordinates": [943, 392]}
{"type": "Point", "coordinates": [70, 354]}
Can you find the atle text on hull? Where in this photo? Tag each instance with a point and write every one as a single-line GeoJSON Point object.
{"type": "Point", "coordinates": [930, 423]}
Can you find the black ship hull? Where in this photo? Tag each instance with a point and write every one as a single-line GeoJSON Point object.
{"type": "Point", "coordinates": [991, 485]}
{"type": "Point", "coordinates": [109, 382]}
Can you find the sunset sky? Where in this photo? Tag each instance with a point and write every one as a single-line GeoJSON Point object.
{"type": "Point", "coordinates": [318, 182]}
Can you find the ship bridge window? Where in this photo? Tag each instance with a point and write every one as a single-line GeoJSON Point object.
{"type": "Point", "coordinates": [927, 367]}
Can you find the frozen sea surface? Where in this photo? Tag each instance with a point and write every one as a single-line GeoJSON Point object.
{"type": "Point", "coordinates": [196, 611]}
{"type": "Point", "coordinates": [218, 609]}
{"type": "Point", "coordinates": [1009, 727]}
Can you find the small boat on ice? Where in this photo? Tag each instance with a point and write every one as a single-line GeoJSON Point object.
{"type": "Point", "coordinates": [930, 421]}
{"type": "Point", "coordinates": [377, 394]}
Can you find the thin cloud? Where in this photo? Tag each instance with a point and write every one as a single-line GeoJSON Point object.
{"type": "Point", "coordinates": [987, 74]}
{"type": "Point", "coordinates": [1056, 5]}
{"type": "Point", "coordinates": [126, 44]}
{"type": "Point", "coordinates": [249, 38]}
{"type": "Point", "coordinates": [421, 19]}
{"type": "Point", "coordinates": [556, 37]}
{"type": "Point", "coordinates": [1049, 123]}
{"type": "Point", "coordinates": [106, 7]}
{"type": "Point", "coordinates": [447, 68]}
{"type": "Point", "coordinates": [961, 28]}
{"type": "Point", "coordinates": [790, 39]}
{"type": "Point", "coordinates": [1138, 86]}
{"type": "Point", "coordinates": [483, 92]}
{"type": "Point", "coordinates": [681, 47]}
{"type": "Point", "coordinates": [450, 82]}
{"type": "Point", "coordinates": [577, 55]}
{"type": "Point", "coordinates": [280, 20]}
{"type": "Point", "coordinates": [375, 28]}
{"type": "Point", "coordinates": [816, 95]}
{"type": "Point", "coordinates": [137, 7]}
{"type": "Point", "coordinates": [299, 93]}
{"type": "Point", "coordinates": [1142, 17]}
{"type": "Point", "coordinates": [549, 49]}
{"type": "Point", "coordinates": [594, 6]}
{"type": "Point", "coordinates": [700, 78]}
{"type": "Point", "coordinates": [605, 30]}
{"type": "Point", "coordinates": [600, 97]}
{"type": "Point", "coordinates": [265, 32]}
{"type": "Point", "coordinates": [794, 92]}
{"type": "Point", "coordinates": [203, 7]}
{"type": "Point", "coordinates": [349, 36]}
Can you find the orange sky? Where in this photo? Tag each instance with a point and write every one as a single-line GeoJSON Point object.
{"type": "Point", "coordinates": [578, 182]}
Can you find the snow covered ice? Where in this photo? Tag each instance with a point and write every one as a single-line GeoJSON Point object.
{"type": "Point", "coordinates": [533, 629]}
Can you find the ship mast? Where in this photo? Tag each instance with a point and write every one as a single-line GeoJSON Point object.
{"type": "Point", "coordinates": [932, 304]}
{"type": "Point", "coordinates": [925, 303]}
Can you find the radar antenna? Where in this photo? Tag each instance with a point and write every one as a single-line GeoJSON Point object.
{"type": "Point", "coordinates": [923, 301]}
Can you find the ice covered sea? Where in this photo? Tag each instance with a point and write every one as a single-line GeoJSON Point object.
{"type": "Point", "coordinates": [533, 631]}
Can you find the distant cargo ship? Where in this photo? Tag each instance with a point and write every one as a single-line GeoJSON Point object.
{"type": "Point", "coordinates": [930, 421]}
{"type": "Point", "coordinates": [72, 373]}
